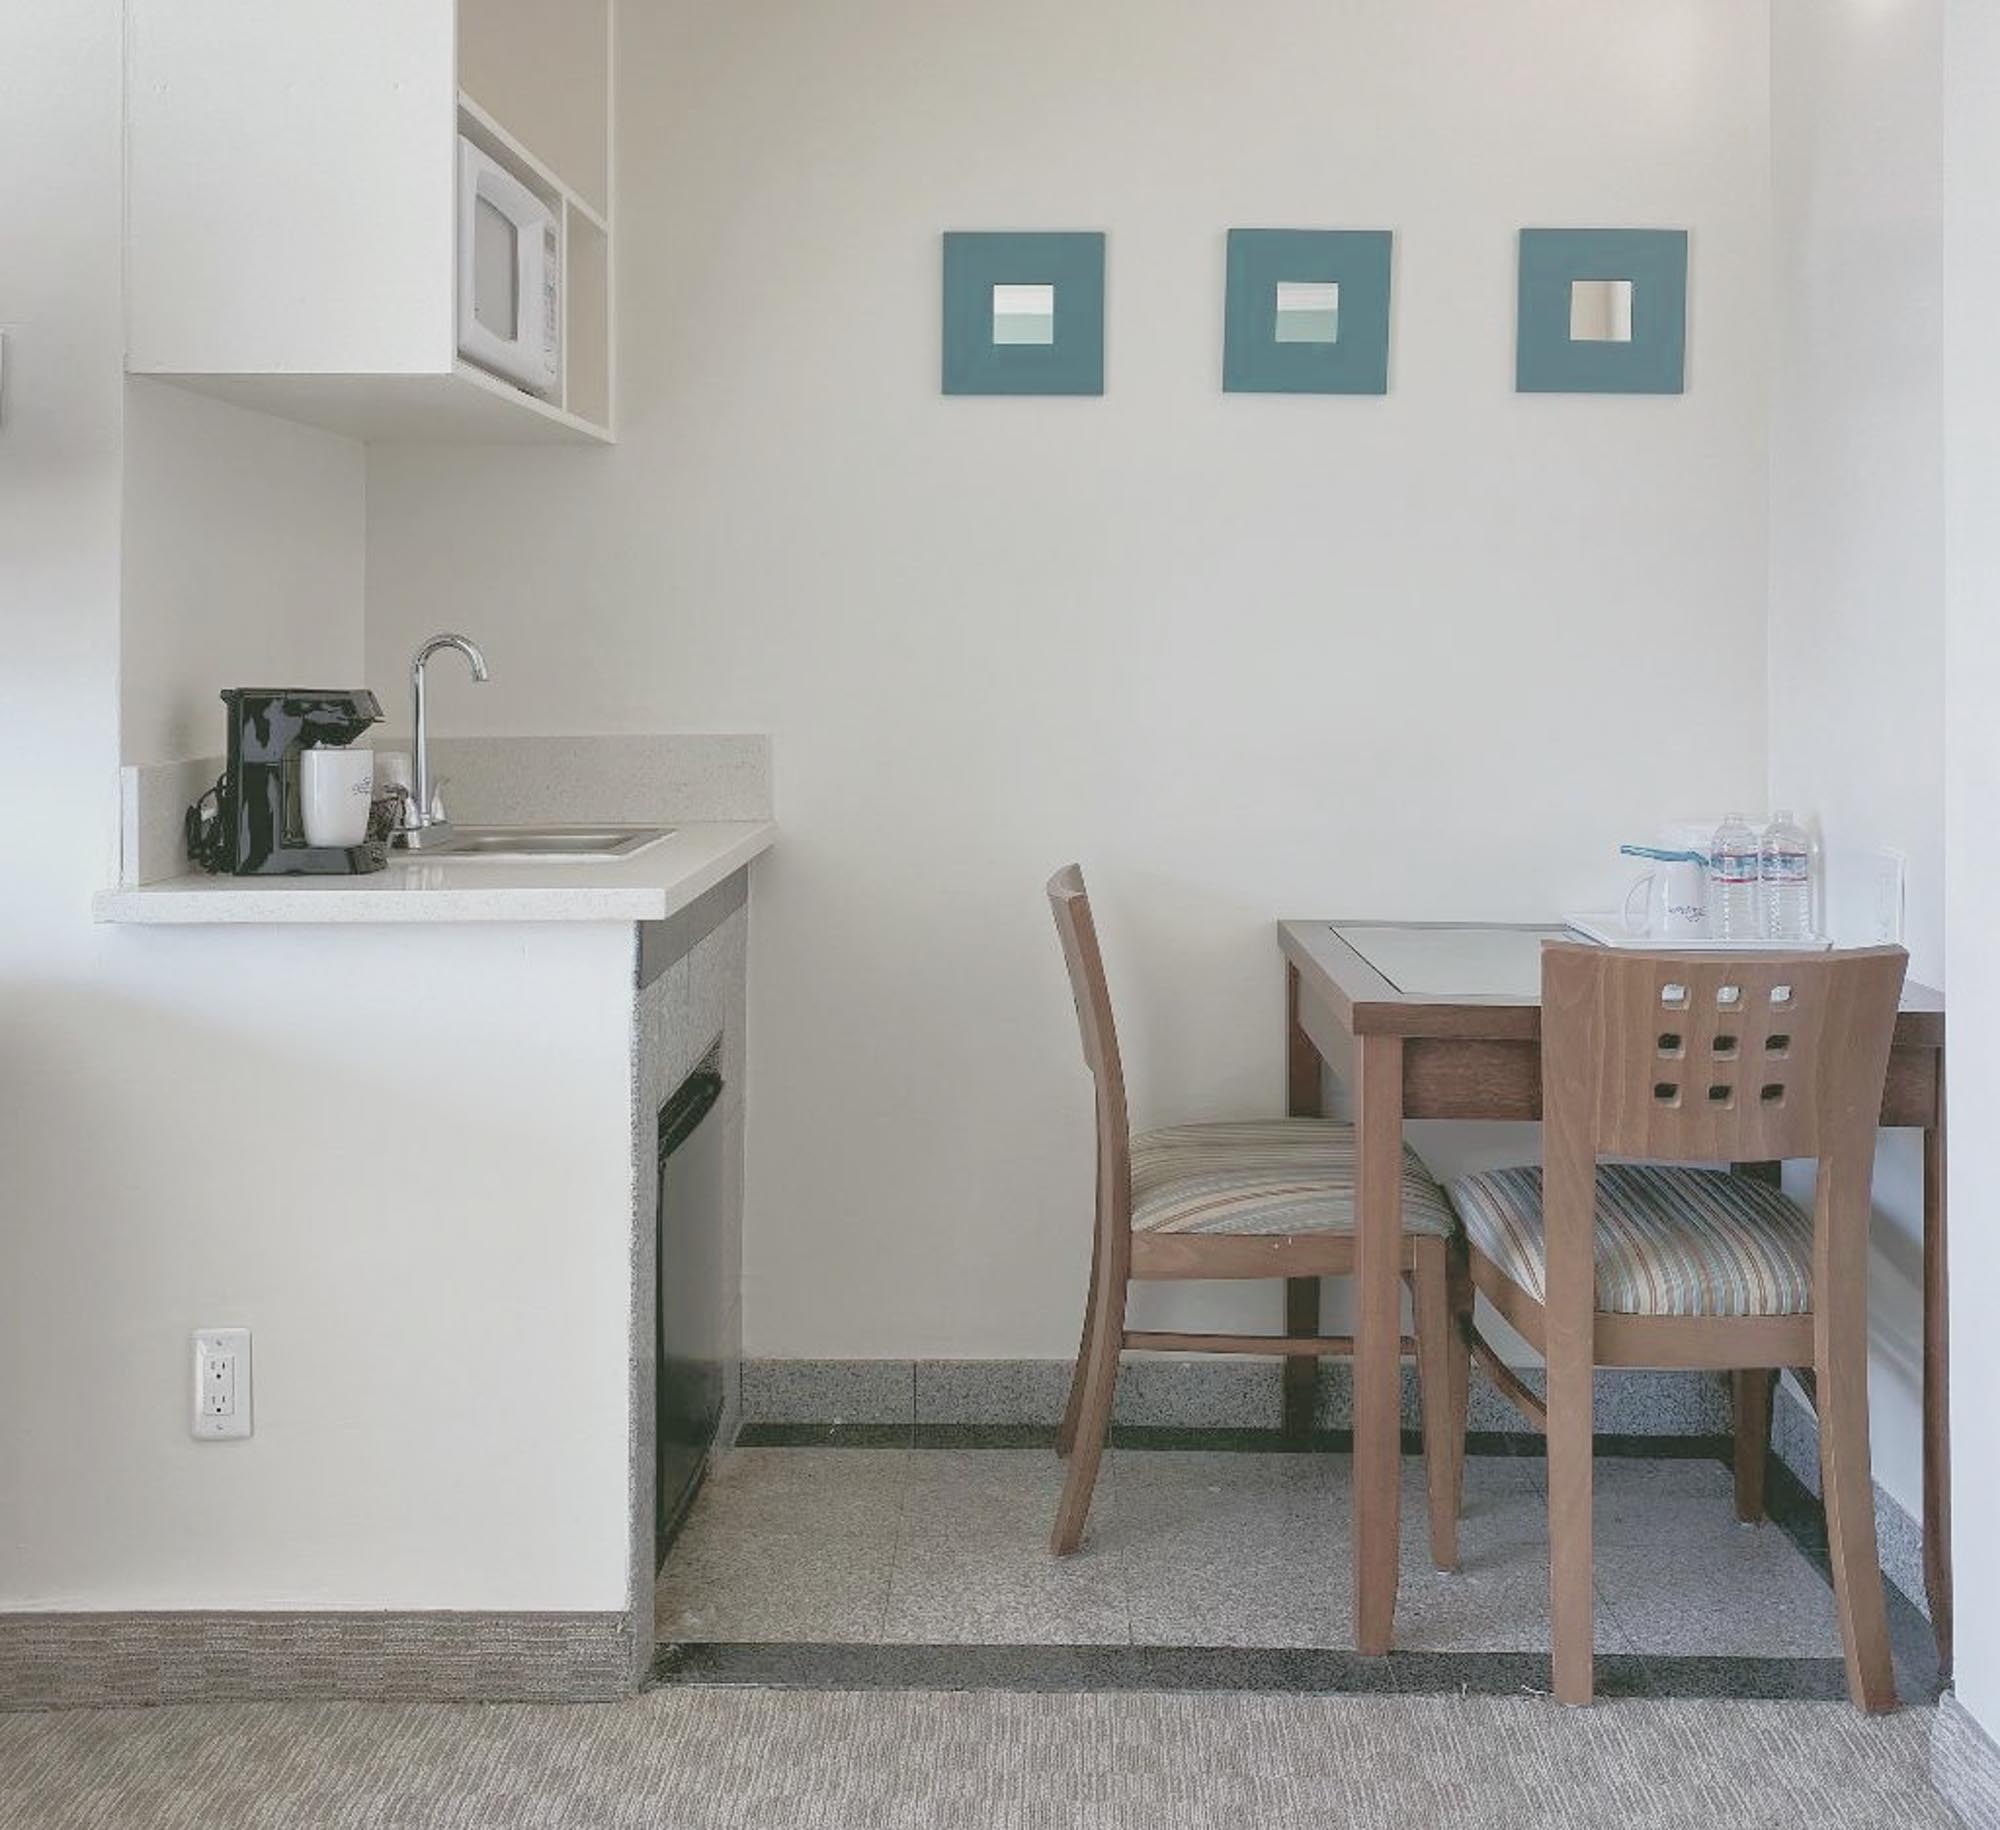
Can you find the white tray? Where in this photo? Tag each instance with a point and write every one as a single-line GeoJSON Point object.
{"type": "Point", "coordinates": [1608, 930]}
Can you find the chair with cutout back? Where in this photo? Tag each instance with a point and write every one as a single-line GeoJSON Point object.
{"type": "Point", "coordinates": [1681, 1060]}
{"type": "Point", "coordinates": [1270, 1198]}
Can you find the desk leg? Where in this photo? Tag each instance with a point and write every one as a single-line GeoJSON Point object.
{"type": "Point", "coordinates": [1378, 1332]}
{"type": "Point", "coordinates": [1302, 1100]}
{"type": "Point", "coordinates": [1937, 1393]}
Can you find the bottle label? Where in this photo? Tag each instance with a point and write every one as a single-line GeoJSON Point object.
{"type": "Point", "coordinates": [1732, 868]}
{"type": "Point", "coordinates": [1786, 867]}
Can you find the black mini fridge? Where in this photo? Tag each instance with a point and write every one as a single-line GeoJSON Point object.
{"type": "Point", "coordinates": [692, 1309]}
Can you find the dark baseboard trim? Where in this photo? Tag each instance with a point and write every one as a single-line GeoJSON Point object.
{"type": "Point", "coordinates": [1965, 1765]}
{"type": "Point", "coordinates": [1293, 1671]}
{"type": "Point", "coordinates": [55, 1661]}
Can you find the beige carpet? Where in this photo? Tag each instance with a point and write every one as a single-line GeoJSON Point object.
{"type": "Point", "coordinates": [717, 1759]}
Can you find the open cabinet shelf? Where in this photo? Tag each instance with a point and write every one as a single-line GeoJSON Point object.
{"type": "Point", "coordinates": [585, 395]}
{"type": "Point", "coordinates": [318, 278]}
{"type": "Point", "coordinates": [464, 402]}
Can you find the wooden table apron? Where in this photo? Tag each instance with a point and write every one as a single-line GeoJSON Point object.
{"type": "Point", "coordinates": [1411, 1055]}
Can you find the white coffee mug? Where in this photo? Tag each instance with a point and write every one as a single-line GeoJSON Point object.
{"type": "Point", "coordinates": [335, 789]}
{"type": "Point", "coordinates": [1676, 901]}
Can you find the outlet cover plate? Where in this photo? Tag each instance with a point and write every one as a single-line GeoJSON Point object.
{"type": "Point", "coordinates": [221, 1383]}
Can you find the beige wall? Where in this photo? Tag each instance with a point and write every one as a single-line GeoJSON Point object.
{"type": "Point", "coordinates": [280, 1129]}
{"type": "Point", "coordinates": [1972, 652]}
{"type": "Point", "coordinates": [1432, 654]}
{"type": "Point", "coordinates": [1857, 533]}
{"type": "Point", "coordinates": [242, 564]}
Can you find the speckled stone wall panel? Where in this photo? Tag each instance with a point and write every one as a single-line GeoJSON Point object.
{"type": "Point", "coordinates": [690, 1000]}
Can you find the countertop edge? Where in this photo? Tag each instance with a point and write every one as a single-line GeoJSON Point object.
{"type": "Point", "coordinates": [725, 848]}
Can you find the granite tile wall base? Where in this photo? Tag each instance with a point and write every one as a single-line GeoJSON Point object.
{"type": "Point", "coordinates": [1221, 1392]}
{"type": "Point", "coordinates": [832, 1391]}
{"type": "Point", "coordinates": [1623, 1403]}
{"type": "Point", "coordinates": [1899, 1538]}
{"type": "Point", "coordinates": [116, 1660]}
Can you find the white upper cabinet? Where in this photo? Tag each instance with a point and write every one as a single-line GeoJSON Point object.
{"type": "Point", "coordinates": [292, 214]}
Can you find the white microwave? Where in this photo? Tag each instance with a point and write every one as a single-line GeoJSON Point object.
{"type": "Point", "coordinates": [509, 274]}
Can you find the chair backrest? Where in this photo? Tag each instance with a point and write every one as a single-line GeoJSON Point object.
{"type": "Point", "coordinates": [1718, 1058]}
{"type": "Point", "coordinates": [1069, 902]}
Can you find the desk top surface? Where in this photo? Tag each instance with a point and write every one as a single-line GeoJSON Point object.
{"type": "Point", "coordinates": [1472, 979]}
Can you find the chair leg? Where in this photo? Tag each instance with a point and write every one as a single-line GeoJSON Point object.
{"type": "Point", "coordinates": [1431, 1294]}
{"type": "Point", "coordinates": [1841, 1392]}
{"type": "Point", "coordinates": [1752, 1388]}
{"type": "Point", "coordinates": [1066, 1431]}
{"type": "Point", "coordinates": [1459, 1285]}
{"type": "Point", "coordinates": [1093, 1421]}
{"type": "Point", "coordinates": [1572, 1631]}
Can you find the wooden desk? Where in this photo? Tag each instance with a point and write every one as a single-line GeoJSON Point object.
{"type": "Point", "coordinates": [1443, 1020]}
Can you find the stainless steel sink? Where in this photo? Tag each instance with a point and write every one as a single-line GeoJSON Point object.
{"type": "Point", "coordinates": [576, 843]}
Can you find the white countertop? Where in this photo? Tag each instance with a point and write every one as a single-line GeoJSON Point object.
{"type": "Point", "coordinates": [648, 886]}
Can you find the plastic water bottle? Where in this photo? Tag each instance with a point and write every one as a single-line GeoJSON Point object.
{"type": "Point", "coordinates": [1732, 879]}
{"type": "Point", "coordinates": [1785, 872]}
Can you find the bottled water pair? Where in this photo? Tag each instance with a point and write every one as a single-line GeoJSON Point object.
{"type": "Point", "coordinates": [1761, 888]}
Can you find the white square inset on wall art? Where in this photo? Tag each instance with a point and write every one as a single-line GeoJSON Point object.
{"type": "Point", "coordinates": [1024, 314]}
{"type": "Point", "coordinates": [1308, 311]}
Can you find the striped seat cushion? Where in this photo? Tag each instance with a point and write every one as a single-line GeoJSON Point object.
{"type": "Point", "coordinates": [1282, 1175]}
{"type": "Point", "coordinates": [1670, 1241]}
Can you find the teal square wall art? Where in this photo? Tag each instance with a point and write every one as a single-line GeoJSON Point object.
{"type": "Point", "coordinates": [1602, 311]}
{"type": "Point", "coordinates": [1024, 314]}
{"type": "Point", "coordinates": [1306, 311]}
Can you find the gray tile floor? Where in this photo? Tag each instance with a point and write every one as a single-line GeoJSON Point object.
{"type": "Point", "coordinates": [1200, 1549]}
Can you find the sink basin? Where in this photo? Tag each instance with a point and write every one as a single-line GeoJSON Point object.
{"type": "Point", "coordinates": [573, 842]}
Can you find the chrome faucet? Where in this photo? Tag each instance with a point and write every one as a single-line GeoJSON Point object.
{"type": "Point", "coordinates": [426, 821]}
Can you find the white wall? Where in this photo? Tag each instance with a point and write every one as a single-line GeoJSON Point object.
{"type": "Point", "coordinates": [1241, 655]}
{"type": "Point", "coordinates": [243, 549]}
{"type": "Point", "coordinates": [1857, 530]}
{"type": "Point", "coordinates": [1972, 743]}
{"type": "Point", "coordinates": [336, 1139]}
{"type": "Point", "coordinates": [59, 504]}
{"type": "Point", "coordinates": [1244, 656]}
{"type": "Point", "coordinates": [59, 487]}
{"type": "Point", "coordinates": [287, 1130]}
{"type": "Point", "coordinates": [1857, 449]}
{"type": "Point", "coordinates": [249, 264]}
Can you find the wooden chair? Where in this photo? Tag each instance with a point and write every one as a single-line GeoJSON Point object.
{"type": "Point", "coordinates": [1261, 1198]}
{"type": "Point", "coordinates": [1692, 1059]}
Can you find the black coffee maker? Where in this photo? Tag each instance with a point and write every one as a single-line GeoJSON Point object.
{"type": "Point", "coordinates": [249, 823]}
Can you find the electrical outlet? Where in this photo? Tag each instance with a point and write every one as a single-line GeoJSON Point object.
{"type": "Point", "coordinates": [221, 1383]}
